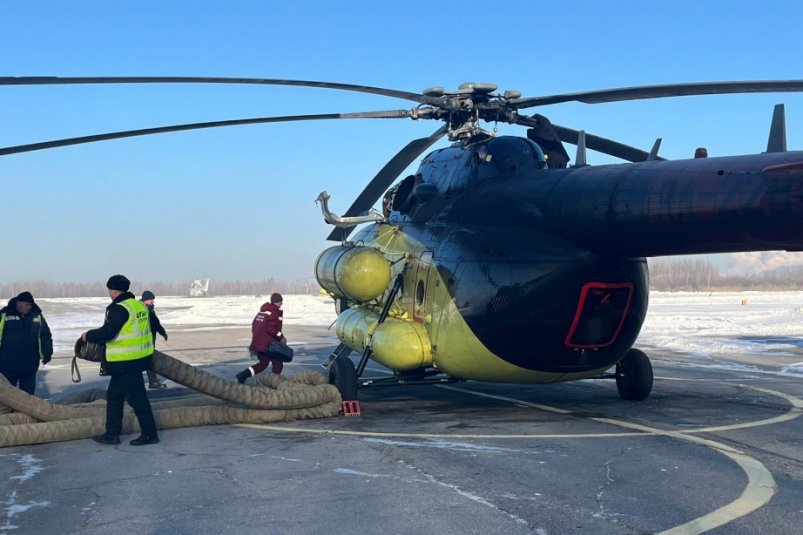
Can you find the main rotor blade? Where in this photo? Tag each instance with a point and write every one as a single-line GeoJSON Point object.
{"type": "Point", "coordinates": [663, 91]}
{"type": "Point", "coordinates": [56, 80]}
{"type": "Point", "coordinates": [384, 178]}
{"type": "Point", "coordinates": [597, 143]}
{"type": "Point", "coordinates": [604, 145]}
{"type": "Point", "coordinates": [391, 114]}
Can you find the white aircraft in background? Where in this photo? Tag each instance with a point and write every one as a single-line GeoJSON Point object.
{"type": "Point", "coordinates": [199, 288]}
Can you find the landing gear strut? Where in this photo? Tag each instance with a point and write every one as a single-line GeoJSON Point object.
{"type": "Point", "coordinates": [634, 376]}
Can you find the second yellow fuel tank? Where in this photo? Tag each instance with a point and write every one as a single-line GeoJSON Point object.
{"type": "Point", "coordinates": [397, 344]}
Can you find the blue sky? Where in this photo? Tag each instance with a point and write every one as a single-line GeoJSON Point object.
{"type": "Point", "coordinates": [237, 203]}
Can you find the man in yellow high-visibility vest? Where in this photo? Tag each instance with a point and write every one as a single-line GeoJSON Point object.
{"type": "Point", "coordinates": [129, 350]}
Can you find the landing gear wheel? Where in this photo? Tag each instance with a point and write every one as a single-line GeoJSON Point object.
{"type": "Point", "coordinates": [634, 376]}
{"type": "Point", "coordinates": [343, 375]}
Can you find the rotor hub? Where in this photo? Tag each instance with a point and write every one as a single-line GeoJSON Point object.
{"type": "Point", "coordinates": [463, 109]}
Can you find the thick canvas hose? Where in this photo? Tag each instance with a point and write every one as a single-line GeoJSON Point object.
{"type": "Point", "coordinates": [16, 418]}
{"type": "Point", "coordinates": [300, 396]}
{"type": "Point", "coordinates": [26, 419]}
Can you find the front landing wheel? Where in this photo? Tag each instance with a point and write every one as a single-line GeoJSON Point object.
{"type": "Point", "coordinates": [634, 376]}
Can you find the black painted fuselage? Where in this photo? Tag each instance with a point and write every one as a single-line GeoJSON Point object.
{"type": "Point", "coordinates": [546, 267]}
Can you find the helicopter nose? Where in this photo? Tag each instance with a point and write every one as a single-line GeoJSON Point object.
{"type": "Point", "coordinates": [558, 326]}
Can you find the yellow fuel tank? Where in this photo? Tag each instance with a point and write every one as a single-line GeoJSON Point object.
{"type": "Point", "coordinates": [397, 344]}
{"type": "Point", "coordinates": [358, 273]}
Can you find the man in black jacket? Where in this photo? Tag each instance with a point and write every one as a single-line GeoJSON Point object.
{"type": "Point", "coordinates": [156, 327]}
{"type": "Point", "coordinates": [24, 340]}
{"type": "Point", "coordinates": [129, 350]}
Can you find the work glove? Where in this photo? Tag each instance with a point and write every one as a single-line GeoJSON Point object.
{"type": "Point", "coordinates": [165, 336]}
{"type": "Point", "coordinates": [46, 359]}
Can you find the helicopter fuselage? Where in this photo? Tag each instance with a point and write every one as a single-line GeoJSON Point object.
{"type": "Point", "coordinates": [519, 273]}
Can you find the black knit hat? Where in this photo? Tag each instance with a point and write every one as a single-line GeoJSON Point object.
{"type": "Point", "coordinates": [147, 295]}
{"type": "Point", "coordinates": [118, 282]}
{"type": "Point", "coordinates": [276, 298]}
{"type": "Point", "coordinates": [25, 297]}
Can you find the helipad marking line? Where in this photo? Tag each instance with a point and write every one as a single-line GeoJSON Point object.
{"type": "Point", "coordinates": [509, 400]}
{"type": "Point", "coordinates": [672, 434]}
{"type": "Point", "coordinates": [794, 411]}
{"type": "Point", "coordinates": [431, 435]}
{"type": "Point", "coordinates": [758, 492]}
{"type": "Point", "coordinates": [760, 484]}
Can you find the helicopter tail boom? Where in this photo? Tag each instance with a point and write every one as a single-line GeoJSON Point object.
{"type": "Point", "coordinates": [731, 205]}
{"type": "Point", "coordinates": [654, 208]}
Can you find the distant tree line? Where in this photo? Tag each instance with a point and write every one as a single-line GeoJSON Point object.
{"type": "Point", "coordinates": [98, 289]}
{"type": "Point", "coordinates": [697, 274]}
{"type": "Point", "coordinates": [682, 274]}
{"type": "Point", "coordinates": [666, 274]}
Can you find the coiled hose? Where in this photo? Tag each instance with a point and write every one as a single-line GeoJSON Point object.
{"type": "Point", "coordinates": [27, 419]}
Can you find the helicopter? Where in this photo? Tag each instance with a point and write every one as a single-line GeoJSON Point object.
{"type": "Point", "coordinates": [199, 288]}
{"type": "Point", "coordinates": [496, 260]}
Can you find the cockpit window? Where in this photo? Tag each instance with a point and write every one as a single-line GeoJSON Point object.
{"type": "Point", "coordinates": [404, 198]}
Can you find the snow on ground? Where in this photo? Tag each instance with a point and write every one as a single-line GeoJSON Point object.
{"type": "Point", "coordinates": [70, 317]}
{"type": "Point", "coordinates": [726, 323]}
{"type": "Point", "coordinates": [700, 324]}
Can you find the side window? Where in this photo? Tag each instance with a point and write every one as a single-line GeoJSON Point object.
{"type": "Point", "coordinates": [420, 293]}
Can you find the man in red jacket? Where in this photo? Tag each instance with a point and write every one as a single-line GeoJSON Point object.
{"type": "Point", "coordinates": [265, 329]}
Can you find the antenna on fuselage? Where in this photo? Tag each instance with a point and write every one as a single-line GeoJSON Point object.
{"type": "Point", "coordinates": [653, 155]}
{"type": "Point", "coordinates": [777, 139]}
{"type": "Point", "coordinates": [580, 159]}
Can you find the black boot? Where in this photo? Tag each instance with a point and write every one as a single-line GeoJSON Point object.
{"type": "Point", "coordinates": [243, 375]}
{"type": "Point", "coordinates": [144, 440]}
{"type": "Point", "coordinates": [107, 439]}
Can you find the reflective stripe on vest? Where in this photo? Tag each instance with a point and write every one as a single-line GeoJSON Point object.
{"type": "Point", "coordinates": [38, 320]}
{"type": "Point", "coordinates": [134, 341]}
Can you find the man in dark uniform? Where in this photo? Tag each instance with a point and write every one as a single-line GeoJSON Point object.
{"type": "Point", "coordinates": [129, 350]}
{"type": "Point", "coordinates": [24, 340]}
{"type": "Point", "coordinates": [148, 298]}
{"type": "Point", "coordinates": [548, 139]}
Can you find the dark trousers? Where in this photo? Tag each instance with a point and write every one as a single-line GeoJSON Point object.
{"type": "Point", "coordinates": [24, 381]}
{"type": "Point", "coordinates": [265, 361]}
{"type": "Point", "coordinates": [128, 387]}
{"type": "Point", "coordinates": [152, 377]}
